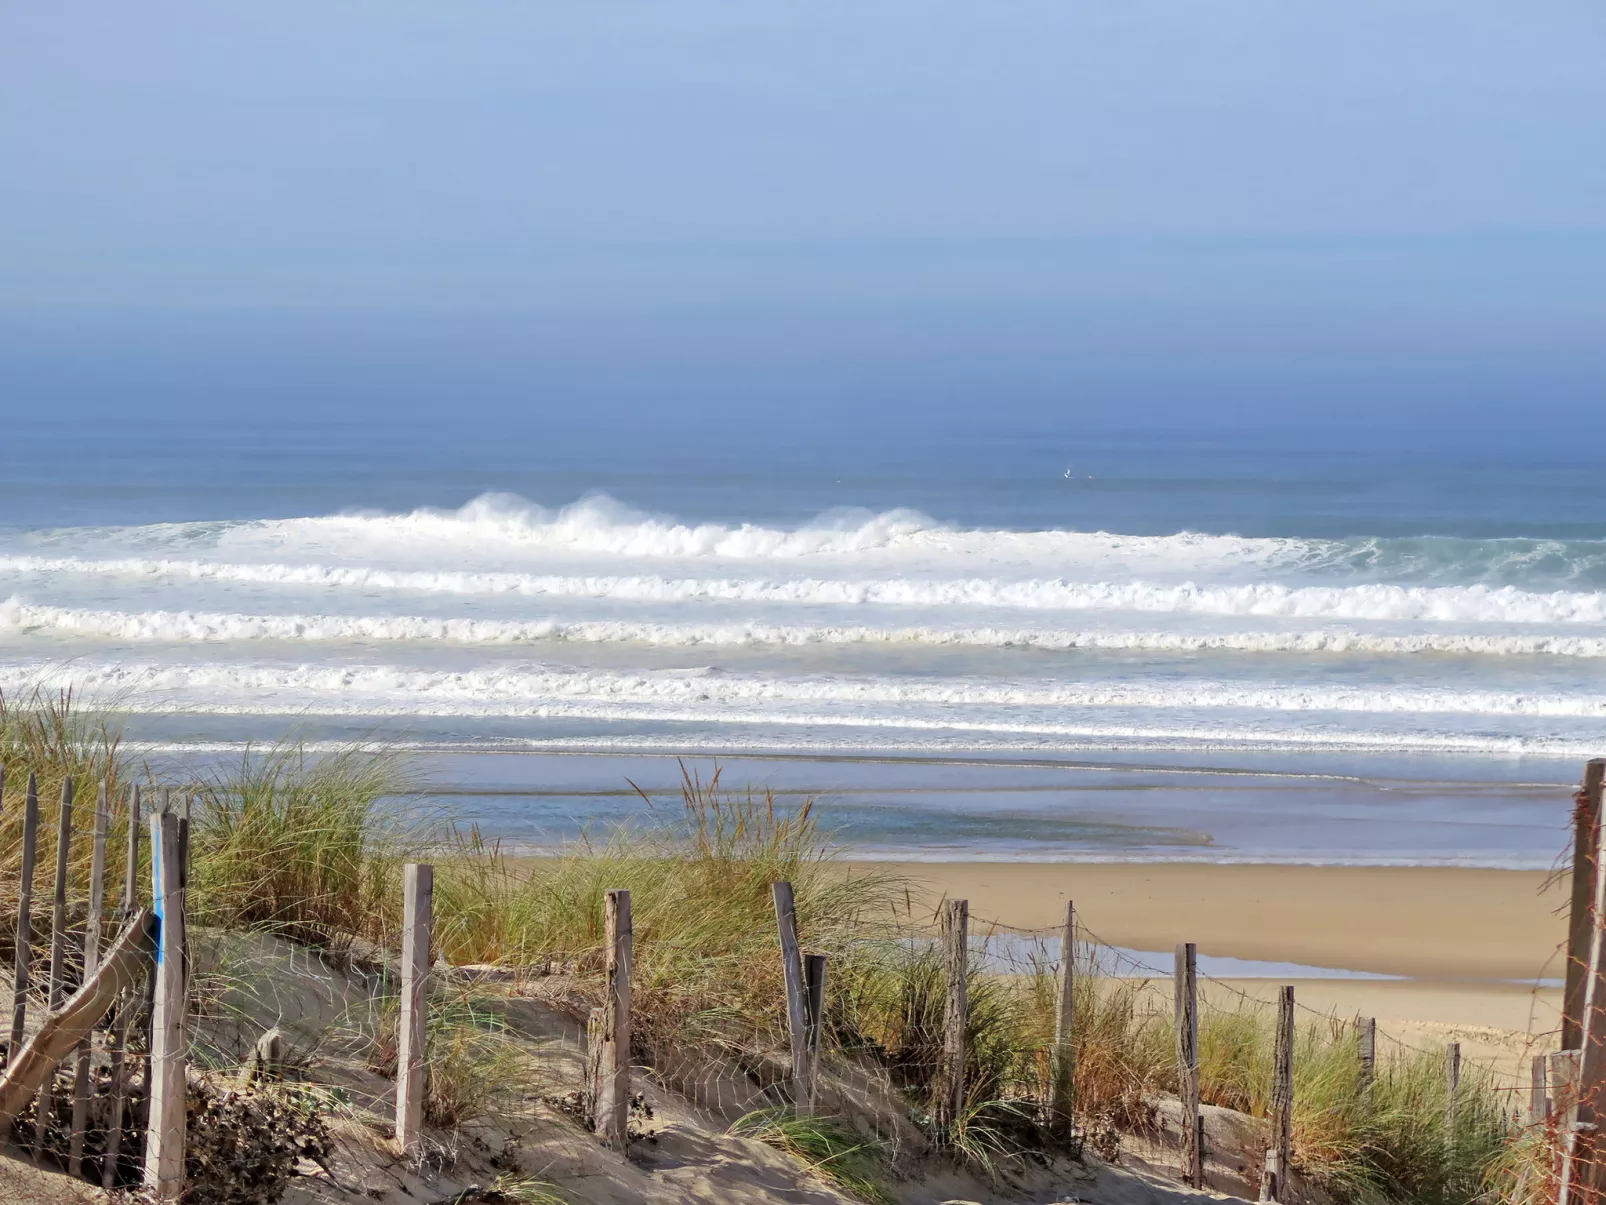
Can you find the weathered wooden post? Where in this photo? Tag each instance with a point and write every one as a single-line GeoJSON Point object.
{"type": "Point", "coordinates": [418, 907]}
{"type": "Point", "coordinates": [22, 964]}
{"type": "Point", "coordinates": [1452, 1097]}
{"type": "Point", "coordinates": [613, 1075]}
{"type": "Point", "coordinates": [950, 1094]}
{"type": "Point", "coordinates": [1581, 1178]}
{"type": "Point", "coordinates": [1581, 914]}
{"type": "Point", "coordinates": [796, 993]}
{"type": "Point", "coordinates": [814, 998]}
{"type": "Point", "coordinates": [1539, 1092]}
{"type": "Point", "coordinates": [1062, 1095]}
{"type": "Point", "coordinates": [164, 1140]}
{"type": "Point", "coordinates": [1187, 1019]}
{"type": "Point", "coordinates": [1366, 1044]}
{"type": "Point", "coordinates": [1280, 1155]}
{"type": "Point", "coordinates": [58, 959]}
{"type": "Point", "coordinates": [118, 1044]}
{"type": "Point", "coordinates": [1564, 1088]}
{"type": "Point", "coordinates": [97, 904]}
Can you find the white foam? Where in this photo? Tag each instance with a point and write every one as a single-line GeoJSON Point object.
{"type": "Point", "coordinates": [222, 627]}
{"type": "Point", "coordinates": [880, 701]}
{"type": "Point", "coordinates": [1372, 602]}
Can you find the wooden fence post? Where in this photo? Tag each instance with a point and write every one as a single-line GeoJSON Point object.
{"type": "Point", "coordinates": [97, 904]}
{"type": "Point", "coordinates": [1366, 1042]}
{"type": "Point", "coordinates": [613, 1087]}
{"type": "Point", "coordinates": [1539, 1092]}
{"type": "Point", "coordinates": [1280, 1156]}
{"type": "Point", "coordinates": [1581, 1164]}
{"type": "Point", "coordinates": [1452, 1096]}
{"type": "Point", "coordinates": [119, 1039]}
{"type": "Point", "coordinates": [814, 986]}
{"type": "Point", "coordinates": [1187, 1018]}
{"type": "Point", "coordinates": [796, 1002]}
{"type": "Point", "coordinates": [1062, 1096]}
{"type": "Point", "coordinates": [418, 914]}
{"type": "Point", "coordinates": [22, 965]}
{"type": "Point", "coordinates": [164, 1139]}
{"type": "Point", "coordinates": [1581, 915]}
{"type": "Point", "coordinates": [58, 959]}
{"type": "Point", "coordinates": [1564, 1088]}
{"type": "Point", "coordinates": [950, 1102]}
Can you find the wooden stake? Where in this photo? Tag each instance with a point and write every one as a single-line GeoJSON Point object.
{"type": "Point", "coordinates": [164, 1141]}
{"type": "Point", "coordinates": [58, 959]}
{"type": "Point", "coordinates": [1580, 921]}
{"type": "Point", "coordinates": [23, 962]}
{"type": "Point", "coordinates": [1452, 1095]}
{"type": "Point", "coordinates": [950, 1102]}
{"type": "Point", "coordinates": [613, 1088]}
{"type": "Point", "coordinates": [1366, 1039]}
{"type": "Point", "coordinates": [1282, 1101]}
{"type": "Point", "coordinates": [119, 1038]}
{"type": "Point", "coordinates": [1564, 1088]}
{"type": "Point", "coordinates": [1062, 1101]}
{"type": "Point", "coordinates": [1539, 1098]}
{"type": "Point", "coordinates": [814, 1020]}
{"type": "Point", "coordinates": [97, 904]}
{"type": "Point", "coordinates": [1580, 1163]}
{"type": "Point", "coordinates": [1187, 1018]}
{"type": "Point", "coordinates": [418, 918]}
{"type": "Point", "coordinates": [796, 992]}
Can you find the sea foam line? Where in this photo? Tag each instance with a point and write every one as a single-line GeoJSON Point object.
{"type": "Point", "coordinates": [824, 727]}
{"type": "Point", "coordinates": [226, 627]}
{"type": "Point", "coordinates": [898, 700]}
{"type": "Point", "coordinates": [1376, 601]}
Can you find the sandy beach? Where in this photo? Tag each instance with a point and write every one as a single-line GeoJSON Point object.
{"type": "Point", "coordinates": [1469, 943]}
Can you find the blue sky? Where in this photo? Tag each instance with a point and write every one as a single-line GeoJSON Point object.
{"type": "Point", "coordinates": [1286, 199]}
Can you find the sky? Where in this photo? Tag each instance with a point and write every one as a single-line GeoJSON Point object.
{"type": "Point", "coordinates": [1239, 210]}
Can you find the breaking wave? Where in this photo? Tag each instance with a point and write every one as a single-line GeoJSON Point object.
{"type": "Point", "coordinates": [223, 627]}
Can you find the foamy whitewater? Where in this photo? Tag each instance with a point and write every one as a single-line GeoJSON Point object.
{"type": "Point", "coordinates": [595, 626]}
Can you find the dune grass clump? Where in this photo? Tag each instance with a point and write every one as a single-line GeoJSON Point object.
{"type": "Point", "coordinates": [827, 1146]}
{"type": "Point", "coordinates": [309, 847]}
{"type": "Point", "coordinates": [53, 735]}
{"type": "Point", "coordinates": [703, 913]}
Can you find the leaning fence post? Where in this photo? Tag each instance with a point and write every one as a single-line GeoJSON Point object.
{"type": "Point", "coordinates": [164, 1140]}
{"type": "Point", "coordinates": [418, 904]}
{"type": "Point", "coordinates": [796, 1002]}
{"type": "Point", "coordinates": [58, 960]}
{"type": "Point", "coordinates": [1187, 1019]}
{"type": "Point", "coordinates": [1063, 1095]}
{"type": "Point", "coordinates": [97, 903]}
{"type": "Point", "coordinates": [1366, 1042]}
{"type": "Point", "coordinates": [950, 1102]}
{"type": "Point", "coordinates": [119, 1038]}
{"type": "Point", "coordinates": [613, 1080]}
{"type": "Point", "coordinates": [23, 961]}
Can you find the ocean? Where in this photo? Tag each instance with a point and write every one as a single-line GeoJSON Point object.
{"type": "Point", "coordinates": [1030, 642]}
